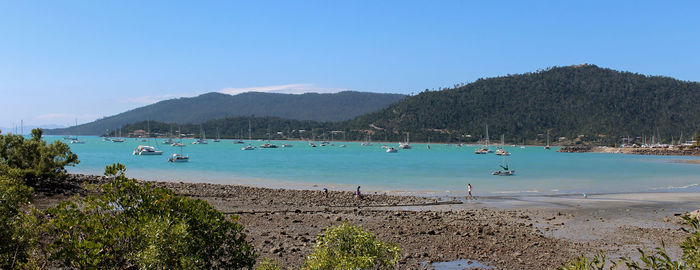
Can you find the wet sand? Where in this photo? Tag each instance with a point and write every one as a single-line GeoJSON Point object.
{"type": "Point", "coordinates": [525, 232]}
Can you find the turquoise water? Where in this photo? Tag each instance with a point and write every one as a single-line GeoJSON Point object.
{"type": "Point", "coordinates": [441, 169]}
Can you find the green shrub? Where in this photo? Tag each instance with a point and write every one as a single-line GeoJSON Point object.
{"type": "Point", "coordinates": [32, 159]}
{"type": "Point", "coordinates": [130, 225]}
{"type": "Point", "coordinates": [347, 246]}
{"type": "Point", "coordinates": [268, 264]}
{"type": "Point", "coordinates": [19, 226]}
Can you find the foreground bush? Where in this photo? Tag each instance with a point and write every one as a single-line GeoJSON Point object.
{"type": "Point", "coordinates": [137, 226]}
{"type": "Point", "coordinates": [347, 246]}
{"type": "Point", "coordinates": [32, 159]}
{"type": "Point", "coordinates": [19, 226]}
{"type": "Point", "coordinates": [660, 260]}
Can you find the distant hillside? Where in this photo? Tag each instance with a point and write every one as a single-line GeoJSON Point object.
{"type": "Point", "coordinates": [311, 106]}
{"type": "Point", "coordinates": [599, 103]}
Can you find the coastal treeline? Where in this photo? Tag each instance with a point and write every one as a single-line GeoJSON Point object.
{"type": "Point", "coordinates": [127, 224]}
{"type": "Point", "coordinates": [574, 104]}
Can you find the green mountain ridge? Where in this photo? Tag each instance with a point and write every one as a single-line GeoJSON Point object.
{"type": "Point", "coordinates": [310, 106]}
{"type": "Point", "coordinates": [584, 103]}
{"type": "Point", "coordinates": [599, 103]}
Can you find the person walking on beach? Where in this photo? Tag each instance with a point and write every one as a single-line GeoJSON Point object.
{"type": "Point", "coordinates": [469, 192]}
{"type": "Point", "coordinates": [325, 191]}
{"type": "Point", "coordinates": [358, 195]}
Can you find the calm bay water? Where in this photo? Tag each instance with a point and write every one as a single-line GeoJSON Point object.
{"type": "Point", "coordinates": [441, 169]}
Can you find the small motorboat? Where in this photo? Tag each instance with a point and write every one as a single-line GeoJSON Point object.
{"type": "Point", "coordinates": [501, 152]}
{"type": "Point", "coordinates": [178, 158]}
{"type": "Point", "coordinates": [248, 147]}
{"type": "Point", "coordinates": [177, 144]}
{"type": "Point", "coordinates": [482, 150]}
{"type": "Point", "coordinates": [118, 140]}
{"type": "Point", "coordinates": [268, 145]}
{"type": "Point", "coordinates": [392, 150]}
{"type": "Point", "coordinates": [287, 145]}
{"type": "Point", "coordinates": [76, 141]}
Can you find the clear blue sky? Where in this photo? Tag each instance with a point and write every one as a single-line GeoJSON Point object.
{"type": "Point", "coordinates": [61, 60]}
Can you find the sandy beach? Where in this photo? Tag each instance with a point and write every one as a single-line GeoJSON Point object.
{"type": "Point", "coordinates": [520, 232]}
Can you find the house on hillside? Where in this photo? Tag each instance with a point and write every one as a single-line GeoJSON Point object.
{"type": "Point", "coordinates": [138, 133]}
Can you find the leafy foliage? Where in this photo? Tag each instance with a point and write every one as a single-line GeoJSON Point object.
{"type": "Point", "coordinates": [19, 226]}
{"type": "Point", "coordinates": [347, 246]}
{"type": "Point", "coordinates": [584, 263]}
{"type": "Point", "coordinates": [311, 106]}
{"type": "Point", "coordinates": [138, 226]}
{"type": "Point", "coordinates": [32, 159]}
{"type": "Point", "coordinates": [268, 264]}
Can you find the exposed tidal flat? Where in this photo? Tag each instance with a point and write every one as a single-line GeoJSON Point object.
{"type": "Point", "coordinates": [520, 232]}
{"type": "Point", "coordinates": [535, 220]}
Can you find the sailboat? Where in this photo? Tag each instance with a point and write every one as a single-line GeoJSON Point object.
{"type": "Point", "coordinates": [367, 143]}
{"type": "Point", "coordinates": [546, 147]}
{"type": "Point", "coordinates": [484, 149]}
{"type": "Point", "coordinates": [179, 143]}
{"type": "Point", "coordinates": [405, 145]}
{"type": "Point", "coordinates": [506, 171]}
{"type": "Point", "coordinates": [119, 139]}
{"type": "Point", "coordinates": [179, 157]}
{"type": "Point", "coordinates": [218, 138]}
{"type": "Point", "coordinates": [239, 139]}
{"type": "Point", "coordinates": [501, 151]}
{"type": "Point", "coordinates": [203, 140]}
{"type": "Point", "coordinates": [249, 147]}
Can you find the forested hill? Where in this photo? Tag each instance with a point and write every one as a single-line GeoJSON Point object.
{"type": "Point", "coordinates": [310, 106]}
{"type": "Point", "coordinates": [568, 101]}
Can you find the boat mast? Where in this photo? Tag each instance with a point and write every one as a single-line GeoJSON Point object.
{"type": "Point", "coordinates": [487, 135]}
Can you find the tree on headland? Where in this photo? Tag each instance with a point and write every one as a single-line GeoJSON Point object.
{"type": "Point", "coordinates": [33, 159]}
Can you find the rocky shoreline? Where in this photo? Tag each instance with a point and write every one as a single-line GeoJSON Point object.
{"type": "Point", "coordinates": [634, 151]}
{"type": "Point", "coordinates": [283, 225]}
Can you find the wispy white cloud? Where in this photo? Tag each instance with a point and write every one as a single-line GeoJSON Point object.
{"type": "Point", "coordinates": [64, 118]}
{"type": "Point", "coordinates": [295, 88]}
